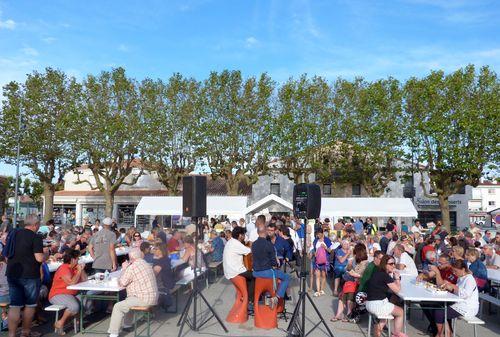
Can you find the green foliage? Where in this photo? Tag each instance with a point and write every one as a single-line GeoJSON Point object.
{"type": "Point", "coordinates": [47, 102]}
{"type": "Point", "coordinates": [369, 143]}
{"type": "Point", "coordinates": [305, 121]}
{"type": "Point", "coordinates": [109, 132]}
{"type": "Point", "coordinates": [171, 113]}
{"type": "Point", "coordinates": [236, 124]}
{"type": "Point", "coordinates": [452, 127]}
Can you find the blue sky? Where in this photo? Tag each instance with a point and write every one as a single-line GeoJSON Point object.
{"type": "Point", "coordinates": [346, 38]}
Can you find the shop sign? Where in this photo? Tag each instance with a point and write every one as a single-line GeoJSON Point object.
{"type": "Point", "coordinates": [425, 203]}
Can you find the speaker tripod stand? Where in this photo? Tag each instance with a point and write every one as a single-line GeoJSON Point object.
{"type": "Point", "coordinates": [297, 326]}
{"type": "Point", "coordinates": [192, 322]}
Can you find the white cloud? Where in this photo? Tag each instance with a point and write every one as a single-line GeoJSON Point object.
{"type": "Point", "coordinates": [124, 48]}
{"type": "Point", "coordinates": [49, 39]}
{"type": "Point", "coordinates": [8, 24]}
{"type": "Point", "coordinates": [251, 42]}
{"type": "Point", "coordinates": [28, 51]}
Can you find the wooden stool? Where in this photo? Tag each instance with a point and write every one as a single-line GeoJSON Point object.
{"type": "Point", "coordinates": [239, 311]}
{"type": "Point", "coordinates": [140, 312]}
{"type": "Point", "coordinates": [265, 317]}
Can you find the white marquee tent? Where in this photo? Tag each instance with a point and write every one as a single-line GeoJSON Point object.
{"type": "Point", "coordinates": [365, 207]}
{"type": "Point", "coordinates": [216, 205]}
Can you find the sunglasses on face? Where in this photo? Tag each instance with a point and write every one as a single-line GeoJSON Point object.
{"type": "Point", "coordinates": [391, 263]}
{"type": "Point", "coordinates": [137, 236]}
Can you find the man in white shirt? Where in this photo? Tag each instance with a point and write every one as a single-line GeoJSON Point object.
{"type": "Point", "coordinates": [404, 262]}
{"type": "Point", "coordinates": [232, 259]}
{"type": "Point", "coordinates": [492, 258]}
{"type": "Point", "coordinates": [417, 227]}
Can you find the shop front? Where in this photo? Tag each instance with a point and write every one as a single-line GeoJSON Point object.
{"type": "Point", "coordinates": [429, 211]}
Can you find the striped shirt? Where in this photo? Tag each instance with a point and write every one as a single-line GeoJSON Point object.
{"type": "Point", "coordinates": [140, 281]}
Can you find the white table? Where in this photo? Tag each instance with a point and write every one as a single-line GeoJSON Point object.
{"type": "Point", "coordinates": [97, 288]}
{"type": "Point", "coordinates": [85, 259]}
{"type": "Point", "coordinates": [494, 275]}
{"type": "Point", "coordinates": [410, 292]}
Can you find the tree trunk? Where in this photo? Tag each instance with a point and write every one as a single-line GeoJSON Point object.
{"type": "Point", "coordinates": [110, 199]}
{"type": "Point", "coordinates": [232, 186]}
{"type": "Point", "coordinates": [48, 194]}
{"type": "Point", "coordinates": [445, 212]}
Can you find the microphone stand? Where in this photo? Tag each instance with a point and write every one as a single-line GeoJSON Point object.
{"type": "Point", "coordinates": [192, 322]}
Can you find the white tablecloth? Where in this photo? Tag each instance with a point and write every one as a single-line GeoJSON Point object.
{"type": "Point", "coordinates": [120, 251]}
{"type": "Point", "coordinates": [413, 293]}
{"type": "Point", "coordinates": [494, 275]}
{"type": "Point", "coordinates": [109, 285]}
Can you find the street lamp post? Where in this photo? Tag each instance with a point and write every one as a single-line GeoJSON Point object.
{"type": "Point", "coordinates": [16, 193]}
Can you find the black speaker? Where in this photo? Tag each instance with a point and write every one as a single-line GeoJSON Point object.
{"type": "Point", "coordinates": [307, 201]}
{"type": "Point", "coordinates": [194, 196]}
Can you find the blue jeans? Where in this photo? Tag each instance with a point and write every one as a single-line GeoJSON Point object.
{"type": "Point", "coordinates": [24, 291]}
{"type": "Point", "coordinates": [275, 273]}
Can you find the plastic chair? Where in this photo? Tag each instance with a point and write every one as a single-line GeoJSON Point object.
{"type": "Point", "coordinates": [239, 311]}
{"type": "Point", "coordinates": [265, 317]}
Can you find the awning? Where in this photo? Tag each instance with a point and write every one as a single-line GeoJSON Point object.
{"type": "Point", "coordinates": [264, 202]}
{"type": "Point", "coordinates": [230, 206]}
{"type": "Point", "coordinates": [366, 207]}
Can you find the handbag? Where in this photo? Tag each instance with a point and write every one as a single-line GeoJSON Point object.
{"type": "Point", "coordinates": [481, 283]}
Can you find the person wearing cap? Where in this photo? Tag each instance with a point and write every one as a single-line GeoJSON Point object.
{"type": "Point", "coordinates": [102, 248]}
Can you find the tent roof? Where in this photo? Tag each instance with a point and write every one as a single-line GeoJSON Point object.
{"type": "Point", "coordinates": [230, 206]}
{"type": "Point", "coordinates": [376, 207]}
{"type": "Point", "coordinates": [266, 201]}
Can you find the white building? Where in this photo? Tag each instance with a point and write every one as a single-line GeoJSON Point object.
{"type": "Point", "coordinates": [77, 201]}
{"type": "Point", "coordinates": [485, 198]}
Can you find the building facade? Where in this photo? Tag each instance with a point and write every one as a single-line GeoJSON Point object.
{"type": "Point", "coordinates": [80, 200]}
{"type": "Point", "coordinates": [485, 198]}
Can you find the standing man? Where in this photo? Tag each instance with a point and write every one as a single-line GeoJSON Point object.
{"type": "Point", "coordinates": [281, 246]}
{"type": "Point", "coordinates": [23, 274]}
{"type": "Point", "coordinates": [102, 248]}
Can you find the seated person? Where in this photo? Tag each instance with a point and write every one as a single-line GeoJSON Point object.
{"type": "Point", "coordinates": [380, 287]}
{"type": "Point", "coordinates": [477, 268]}
{"type": "Point", "coordinates": [162, 267]}
{"type": "Point", "coordinates": [492, 258]}
{"type": "Point", "coordinates": [69, 273]}
{"type": "Point", "coordinates": [216, 247]}
{"type": "Point", "coordinates": [70, 243]}
{"type": "Point", "coordinates": [233, 260]}
{"type": "Point", "coordinates": [140, 282]}
{"type": "Point", "coordinates": [466, 289]}
{"type": "Point", "coordinates": [439, 274]}
{"type": "Point", "coordinates": [146, 250]}
{"type": "Point", "coordinates": [265, 261]}
{"type": "Point", "coordinates": [174, 244]}
{"type": "Point", "coordinates": [81, 245]}
{"type": "Point", "coordinates": [159, 234]}
{"type": "Point", "coordinates": [403, 261]}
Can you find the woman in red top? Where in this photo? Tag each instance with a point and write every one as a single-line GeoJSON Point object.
{"type": "Point", "coordinates": [69, 273]}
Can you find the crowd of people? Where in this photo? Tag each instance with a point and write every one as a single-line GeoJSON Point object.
{"type": "Point", "coordinates": [361, 260]}
{"type": "Point", "coordinates": [355, 255]}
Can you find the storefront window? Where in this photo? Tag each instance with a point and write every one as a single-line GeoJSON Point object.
{"type": "Point", "coordinates": [126, 215]}
{"type": "Point", "coordinates": [93, 212]}
{"type": "Point", "coordinates": [64, 215]}
{"type": "Point", "coordinates": [429, 216]}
